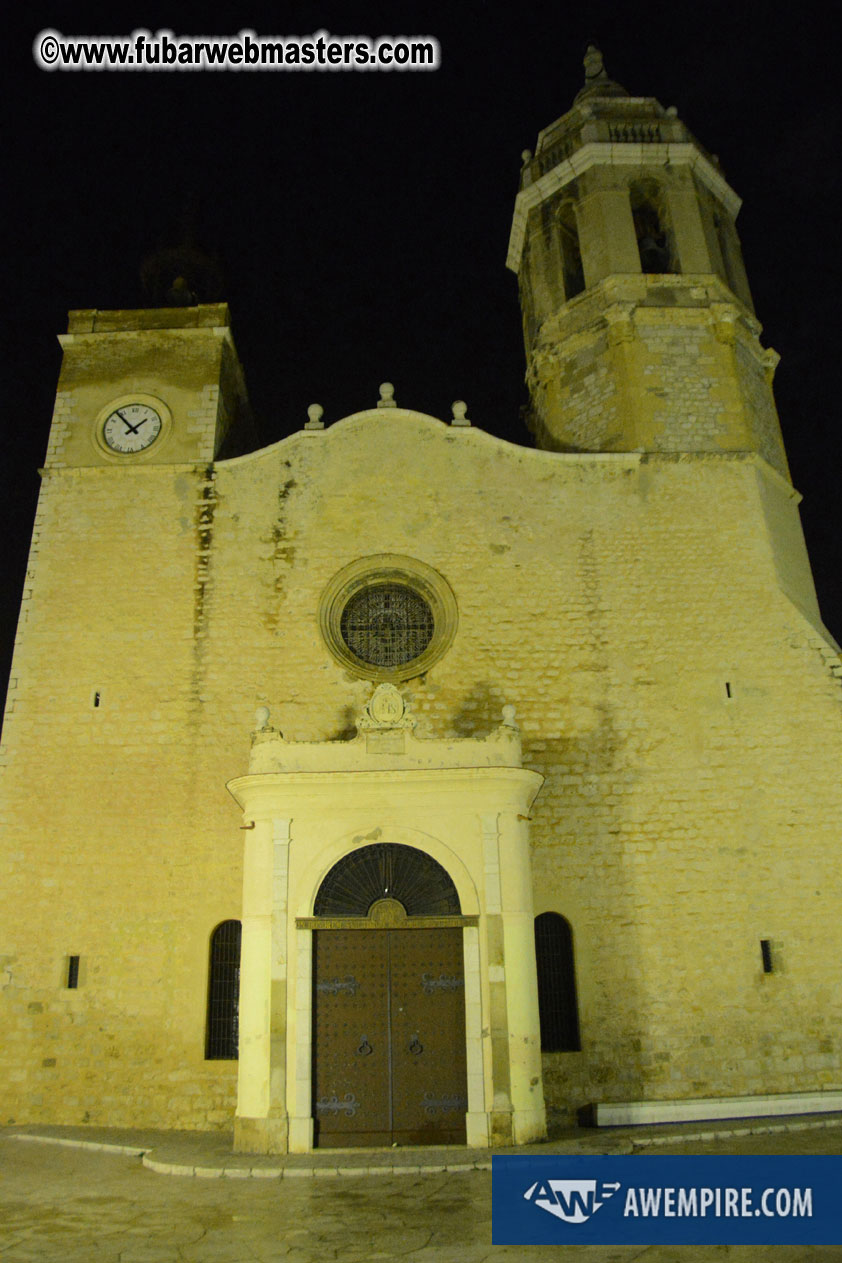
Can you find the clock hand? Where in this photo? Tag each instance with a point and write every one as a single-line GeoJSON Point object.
{"type": "Point", "coordinates": [133, 428]}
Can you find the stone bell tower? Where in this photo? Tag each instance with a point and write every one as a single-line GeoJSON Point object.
{"type": "Point", "coordinates": [157, 385]}
{"type": "Point", "coordinates": [638, 321]}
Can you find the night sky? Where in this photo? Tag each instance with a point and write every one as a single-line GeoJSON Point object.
{"type": "Point", "coordinates": [362, 220]}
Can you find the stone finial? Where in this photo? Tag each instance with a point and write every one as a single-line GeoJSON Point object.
{"type": "Point", "coordinates": [526, 156]}
{"type": "Point", "coordinates": [263, 730]}
{"type": "Point", "coordinates": [597, 83]}
{"type": "Point", "coordinates": [770, 362]}
{"type": "Point", "coordinates": [509, 716]}
{"type": "Point", "coordinates": [460, 408]}
{"type": "Point", "coordinates": [593, 63]}
{"type": "Point", "coordinates": [387, 396]}
{"type": "Point", "coordinates": [315, 412]}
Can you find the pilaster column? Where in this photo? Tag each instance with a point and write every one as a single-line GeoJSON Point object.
{"type": "Point", "coordinates": [279, 980]}
{"type": "Point", "coordinates": [500, 1114]}
{"type": "Point", "coordinates": [260, 1125]}
{"type": "Point", "coordinates": [255, 987]}
{"type": "Point", "coordinates": [606, 234]}
{"type": "Point", "coordinates": [619, 317]}
{"type": "Point", "coordinates": [688, 229]}
{"type": "Point", "coordinates": [529, 1122]}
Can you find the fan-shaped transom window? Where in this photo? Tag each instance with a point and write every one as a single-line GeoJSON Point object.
{"type": "Point", "coordinates": [387, 871]}
{"type": "Point", "coordinates": [387, 624]}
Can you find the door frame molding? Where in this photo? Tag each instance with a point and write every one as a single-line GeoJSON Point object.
{"type": "Point", "coordinates": [381, 918]}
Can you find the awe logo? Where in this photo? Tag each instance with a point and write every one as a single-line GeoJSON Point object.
{"type": "Point", "coordinates": [574, 1201]}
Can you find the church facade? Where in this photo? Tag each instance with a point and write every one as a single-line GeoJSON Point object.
{"type": "Point", "coordinates": [399, 784]}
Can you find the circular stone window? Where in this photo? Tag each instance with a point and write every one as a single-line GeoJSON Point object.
{"type": "Point", "coordinates": [388, 617]}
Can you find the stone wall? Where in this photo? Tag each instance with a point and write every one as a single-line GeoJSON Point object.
{"type": "Point", "coordinates": [685, 714]}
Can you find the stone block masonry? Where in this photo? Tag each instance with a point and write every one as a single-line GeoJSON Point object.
{"type": "Point", "coordinates": [684, 712]}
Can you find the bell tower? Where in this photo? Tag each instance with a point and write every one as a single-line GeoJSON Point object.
{"type": "Point", "coordinates": [638, 321]}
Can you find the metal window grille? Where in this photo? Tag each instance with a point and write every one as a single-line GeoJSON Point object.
{"type": "Point", "coordinates": [222, 1038]}
{"type": "Point", "coordinates": [557, 1006]}
{"type": "Point", "coordinates": [387, 871]}
{"type": "Point", "coordinates": [387, 624]}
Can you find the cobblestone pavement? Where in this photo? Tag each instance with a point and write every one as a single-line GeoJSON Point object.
{"type": "Point", "coordinates": [61, 1204]}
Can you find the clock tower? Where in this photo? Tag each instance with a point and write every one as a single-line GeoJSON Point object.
{"type": "Point", "coordinates": [157, 386]}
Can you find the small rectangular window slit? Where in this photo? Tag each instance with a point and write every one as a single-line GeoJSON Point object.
{"type": "Point", "coordinates": [727, 689]}
{"type": "Point", "coordinates": [97, 699]}
{"type": "Point", "coordinates": [766, 953]}
{"type": "Point", "coordinates": [72, 972]}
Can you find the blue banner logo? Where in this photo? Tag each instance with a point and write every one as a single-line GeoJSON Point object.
{"type": "Point", "coordinates": [648, 1200]}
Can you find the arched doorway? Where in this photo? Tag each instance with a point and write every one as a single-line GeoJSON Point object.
{"type": "Point", "coordinates": [388, 1002]}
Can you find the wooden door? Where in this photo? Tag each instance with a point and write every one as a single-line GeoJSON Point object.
{"type": "Point", "coordinates": [427, 1001]}
{"type": "Point", "coordinates": [351, 1103]}
{"type": "Point", "coordinates": [388, 1037]}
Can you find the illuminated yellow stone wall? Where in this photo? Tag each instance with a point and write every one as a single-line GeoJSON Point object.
{"type": "Point", "coordinates": [662, 363]}
{"type": "Point", "coordinates": [684, 710]}
{"type": "Point", "coordinates": [638, 590]}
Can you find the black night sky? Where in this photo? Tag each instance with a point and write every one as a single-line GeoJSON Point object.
{"type": "Point", "coordinates": [362, 220]}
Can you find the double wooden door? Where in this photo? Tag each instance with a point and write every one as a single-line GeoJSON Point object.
{"type": "Point", "coordinates": [389, 1037]}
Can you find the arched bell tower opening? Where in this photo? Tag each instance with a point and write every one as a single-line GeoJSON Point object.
{"type": "Point", "coordinates": [389, 1061]}
{"type": "Point", "coordinates": [651, 228]}
{"type": "Point", "coordinates": [571, 250]}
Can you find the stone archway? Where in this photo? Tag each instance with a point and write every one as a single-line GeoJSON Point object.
{"type": "Point", "coordinates": [307, 806]}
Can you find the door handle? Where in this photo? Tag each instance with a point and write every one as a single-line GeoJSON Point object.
{"type": "Point", "coordinates": [365, 1049]}
{"type": "Point", "coordinates": [416, 1047]}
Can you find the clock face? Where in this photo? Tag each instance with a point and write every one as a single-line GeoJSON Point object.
{"type": "Point", "coordinates": [131, 428]}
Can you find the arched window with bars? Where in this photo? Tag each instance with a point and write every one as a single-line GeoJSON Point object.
{"type": "Point", "coordinates": [557, 1005]}
{"type": "Point", "coordinates": [222, 1033]}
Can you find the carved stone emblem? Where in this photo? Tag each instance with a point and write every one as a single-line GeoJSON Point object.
{"type": "Point", "coordinates": [386, 912]}
{"type": "Point", "coordinates": [386, 709]}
